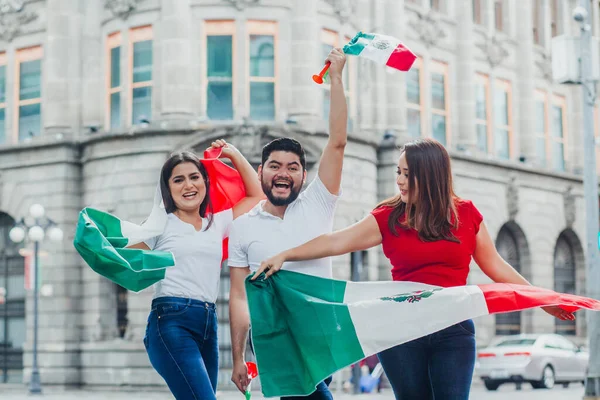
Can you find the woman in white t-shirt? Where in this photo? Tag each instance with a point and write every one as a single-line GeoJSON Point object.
{"type": "Point", "coordinates": [181, 335]}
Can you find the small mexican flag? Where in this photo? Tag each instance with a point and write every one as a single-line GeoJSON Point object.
{"type": "Point", "coordinates": [382, 49]}
{"type": "Point", "coordinates": [304, 328]}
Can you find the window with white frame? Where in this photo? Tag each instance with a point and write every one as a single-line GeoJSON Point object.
{"type": "Point", "coordinates": [502, 119]}
{"type": "Point", "coordinates": [414, 99]}
{"type": "Point", "coordinates": [28, 116]}
{"type": "Point", "coordinates": [439, 102]}
{"type": "Point", "coordinates": [220, 39]}
{"type": "Point", "coordinates": [113, 116]}
{"type": "Point", "coordinates": [551, 132]}
{"type": "Point", "coordinates": [482, 113]}
{"type": "Point", "coordinates": [141, 74]}
{"type": "Point", "coordinates": [262, 45]}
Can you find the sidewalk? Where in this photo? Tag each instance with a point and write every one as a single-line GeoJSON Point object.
{"type": "Point", "coordinates": [49, 394]}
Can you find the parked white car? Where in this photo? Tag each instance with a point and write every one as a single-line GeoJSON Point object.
{"type": "Point", "coordinates": [540, 359]}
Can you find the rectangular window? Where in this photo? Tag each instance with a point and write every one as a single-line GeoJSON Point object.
{"type": "Point", "coordinates": [140, 49]}
{"type": "Point", "coordinates": [414, 100]}
{"type": "Point", "coordinates": [113, 45]}
{"type": "Point", "coordinates": [439, 102]}
{"type": "Point", "coordinates": [262, 42]}
{"type": "Point", "coordinates": [29, 99]}
{"type": "Point", "coordinates": [477, 12]}
{"type": "Point", "coordinates": [219, 69]}
{"type": "Point", "coordinates": [435, 5]}
{"type": "Point", "coordinates": [482, 112]}
{"type": "Point", "coordinates": [499, 15]}
{"type": "Point", "coordinates": [541, 116]}
{"type": "Point", "coordinates": [558, 133]}
{"type": "Point", "coordinates": [503, 119]}
{"type": "Point", "coordinates": [3, 137]}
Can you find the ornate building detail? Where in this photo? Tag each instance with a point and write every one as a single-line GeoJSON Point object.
{"type": "Point", "coordinates": [512, 198]}
{"type": "Point", "coordinates": [12, 18]}
{"type": "Point", "coordinates": [121, 8]}
{"type": "Point", "coordinates": [545, 66]}
{"type": "Point", "coordinates": [428, 29]}
{"type": "Point", "coordinates": [242, 4]}
{"type": "Point", "coordinates": [569, 206]}
{"type": "Point", "coordinates": [494, 51]}
{"type": "Point", "coordinates": [343, 9]}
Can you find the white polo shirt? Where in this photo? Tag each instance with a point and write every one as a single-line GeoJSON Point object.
{"type": "Point", "coordinates": [198, 254]}
{"type": "Point", "coordinates": [258, 235]}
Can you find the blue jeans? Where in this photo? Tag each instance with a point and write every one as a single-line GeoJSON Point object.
{"type": "Point", "coordinates": [181, 341]}
{"type": "Point", "coordinates": [322, 392]}
{"type": "Point", "coordinates": [435, 367]}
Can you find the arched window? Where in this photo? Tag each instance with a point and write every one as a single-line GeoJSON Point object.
{"type": "Point", "coordinates": [564, 279]}
{"type": "Point", "coordinates": [506, 243]}
{"type": "Point", "coordinates": [12, 311]}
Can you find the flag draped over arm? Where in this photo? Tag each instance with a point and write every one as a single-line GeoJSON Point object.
{"type": "Point", "coordinates": [304, 328]}
{"type": "Point", "coordinates": [101, 238]}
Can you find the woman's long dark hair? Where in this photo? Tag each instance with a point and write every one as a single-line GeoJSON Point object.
{"type": "Point", "coordinates": [165, 174]}
{"type": "Point", "coordinates": [434, 213]}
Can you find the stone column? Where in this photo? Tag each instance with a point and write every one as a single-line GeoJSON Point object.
{"type": "Point", "coordinates": [61, 91]}
{"type": "Point", "coordinates": [524, 100]}
{"type": "Point", "coordinates": [305, 96]}
{"type": "Point", "coordinates": [93, 59]}
{"type": "Point", "coordinates": [465, 137]}
{"type": "Point", "coordinates": [177, 84]}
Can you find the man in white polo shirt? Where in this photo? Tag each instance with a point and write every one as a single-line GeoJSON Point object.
{"type": "Point", "coordinates": [287, 218]}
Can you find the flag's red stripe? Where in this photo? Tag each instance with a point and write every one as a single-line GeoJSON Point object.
{"type": "Point", "coordinates": [226, 186]}
{"type": "Point", "coordinates": [402, 58]}
{"type": "Point", "coordinates": [503, 297]}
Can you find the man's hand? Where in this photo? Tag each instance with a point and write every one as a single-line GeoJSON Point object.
{"type": "Point", "coordinates": [559, 313]}
{"type": "Point", "coordinates": [337, 58]}
{"type": "Point", "coordinates": [239, 375]}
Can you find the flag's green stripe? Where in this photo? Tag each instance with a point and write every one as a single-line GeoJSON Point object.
{"type": "Point", "coordinates": [358, 43]}
{"type": "Point", "coordinates": [131, 268]}
{"type": "Point", "coordinates": [311, 329]}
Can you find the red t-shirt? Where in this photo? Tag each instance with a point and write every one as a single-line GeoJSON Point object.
{"type": "Point", "coordinates": [441, 263]}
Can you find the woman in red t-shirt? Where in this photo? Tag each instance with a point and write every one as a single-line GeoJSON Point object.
{"type": "Point", "coordinates": [430, 236]}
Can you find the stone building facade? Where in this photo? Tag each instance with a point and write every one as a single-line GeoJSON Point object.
{"type": "Point", "coordinates": [96, 93]}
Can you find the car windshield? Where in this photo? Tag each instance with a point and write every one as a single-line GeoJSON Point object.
{"type": "Point", "coordinates": [516, 342]}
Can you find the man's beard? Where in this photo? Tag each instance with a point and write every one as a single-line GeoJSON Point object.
{"type": "Point", "coordinates": [280, 201]}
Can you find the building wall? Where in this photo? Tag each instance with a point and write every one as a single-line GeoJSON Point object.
{"type": "Point", "coordinates": [78, 160]}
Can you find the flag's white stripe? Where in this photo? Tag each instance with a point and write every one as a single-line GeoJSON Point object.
{"type": "Point", "coordinates": [382, 324]}
{"type": "Point", "coordinates": [374, 51]}
{"type": "Point", "coordinates": [153, 226]}
{"type": "Point", "coordinates": [360, 291]}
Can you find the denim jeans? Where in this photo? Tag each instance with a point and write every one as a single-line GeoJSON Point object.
{"type": "Point", "coordinates": [181, 341]}
{"type": "Point", "coordinates": [435, 367]}
{"type": "Point", "coordinates": [322, 392]}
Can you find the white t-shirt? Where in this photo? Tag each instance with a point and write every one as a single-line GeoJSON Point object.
{"type": "Point", "coordinates": [198, 255]}
{"type": "Point", "coordinates": [258, 235]}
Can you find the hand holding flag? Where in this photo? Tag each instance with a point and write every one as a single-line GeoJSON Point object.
{"type": "Point", "coordinates": [382, 49]}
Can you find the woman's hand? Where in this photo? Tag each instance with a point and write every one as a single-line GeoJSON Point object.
{"type": "Point", "coordinates": [559, 313]}
{"type": "Point", "coordinates": [227, 149]}
{"type": "Point", "coordinates": [270, 266]}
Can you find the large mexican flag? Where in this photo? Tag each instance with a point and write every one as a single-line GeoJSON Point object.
{"type": "Point", "coordinates": [305, 328]}
{"type": "Point", "coordinates": [102, 238]}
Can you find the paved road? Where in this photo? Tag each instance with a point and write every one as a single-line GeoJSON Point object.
{"type": "Point", "coordinates": [478, 393]}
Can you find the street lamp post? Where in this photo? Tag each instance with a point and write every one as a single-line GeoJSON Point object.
{"type": "Point", "coordinates": [35, 229]}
